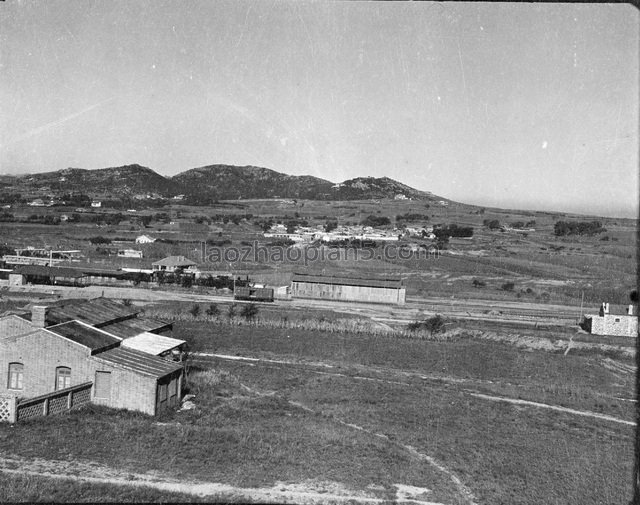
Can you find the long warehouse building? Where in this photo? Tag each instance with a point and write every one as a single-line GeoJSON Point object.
{"type": "Point", "coordinates": [341, 288]}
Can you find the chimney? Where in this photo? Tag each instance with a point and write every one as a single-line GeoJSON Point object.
{"type": "Point", "coordinates": [39, 316]}
{"type": "Point", "coordinates": [631, 310]}
{"type": "Point", "coordinates": [606, 308]}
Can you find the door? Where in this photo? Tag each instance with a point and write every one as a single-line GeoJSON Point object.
{"type": "Point", "coordinates": [102, 388]}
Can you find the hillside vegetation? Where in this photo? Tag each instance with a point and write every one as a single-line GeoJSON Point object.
{"type": "Point", "coordinates": [200, 186]}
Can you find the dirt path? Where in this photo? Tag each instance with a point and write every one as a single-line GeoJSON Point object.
{"type": "Point", "coordinates": [567, 410]}
{"type": "Point", "coordinates": [464, 491]}
{"type": "Point", "coordinates": [440, 378]}
{"type": "Point", "coordinates": [308, 492]}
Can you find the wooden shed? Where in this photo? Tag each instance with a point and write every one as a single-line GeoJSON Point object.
{"type": "Point", "coordinates": [342, 288]}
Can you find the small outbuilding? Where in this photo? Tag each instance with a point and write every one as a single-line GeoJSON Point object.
{"type": "Point", "coordinates": [613, 321]}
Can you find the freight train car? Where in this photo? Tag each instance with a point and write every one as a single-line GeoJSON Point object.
{"type": "Point", "coordinates": [253, 294]}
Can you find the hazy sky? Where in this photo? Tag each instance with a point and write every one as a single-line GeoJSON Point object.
{"type": "Point", "coordinates": [515, 105]}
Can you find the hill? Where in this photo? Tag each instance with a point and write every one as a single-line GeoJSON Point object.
{"type": "Point", "coordinates": [366, 188]}
{"type": "Point", "coordinates": [115, 181]}
{"type": "Point", "coordinates": [203, 185]}
{"type": "Point", "coordinates": [226, 182]}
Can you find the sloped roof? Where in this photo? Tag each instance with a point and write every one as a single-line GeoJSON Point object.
{"type": "Point", "coordinates": [47, 271]}
{"type": "Point", "coordinates": [135, 326]}
{"type": "Point", "coordinates": [393, 282]}
{"type": "Point", "coordinates": [88, 336]}
{"type": "Point", "coordinates": [151, 343]}
{"type": "Point", "coordinates": [175, 261]}
{"type": "Point", "coordinates": [138, 361]}
{"type": "Point", "coordinates": [96, 311]}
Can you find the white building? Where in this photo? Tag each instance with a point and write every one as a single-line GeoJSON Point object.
{"type": "Point", "coordinates": [129, 253]}
{"type": "Point", "coordinates": [145, 239]}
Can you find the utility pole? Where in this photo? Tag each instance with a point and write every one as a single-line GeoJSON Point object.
{"type": "Point", "coordinates": [581, 303]}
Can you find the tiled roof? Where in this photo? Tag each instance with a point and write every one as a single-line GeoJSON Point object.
{"type": "Point", "coordinates": [151, 343]}
{"type": "Point", "coordinates": [135, 326]}
{"type": "Point", "coordinates": [138, 361]}
{"type": "Point", "coordinates": [175, 261]}
{"type": "Point", "coordinates": [88, 336]}
{"type": "Point", "coordinates": [46, 271]}
{"type": "Point", "coordinates": [394, 282]}
{"type": "Point", "coordinates": [95, 312]}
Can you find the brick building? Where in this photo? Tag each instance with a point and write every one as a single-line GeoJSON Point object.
{"type": "Point", "coordinates": [341, 288]}
{"type": "Point", "coordinates": [613, 321]}
{"type": "Point", "coordinates": [68, 354]}
{"type": "Point", "coordinates": [110, 347]}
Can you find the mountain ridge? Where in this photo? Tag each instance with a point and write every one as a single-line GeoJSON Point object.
{"type": "Point", "coordinates": [208, 183]}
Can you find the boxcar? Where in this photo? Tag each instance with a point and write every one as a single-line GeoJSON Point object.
{"type": "Point", "coordinates": [255, 294]}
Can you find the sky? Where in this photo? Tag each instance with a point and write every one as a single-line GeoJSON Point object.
{"type": "Point", "coordinates": [517, 105]}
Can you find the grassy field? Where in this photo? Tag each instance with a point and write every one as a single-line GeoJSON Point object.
{"type": "Point", "coordinates": [362, 412]}
{"type": "Point", "coordinates": [505, 454]}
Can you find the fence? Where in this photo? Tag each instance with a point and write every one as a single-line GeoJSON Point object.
{"type": "Point", "coordinates": [53, 403]}
{"type": "Point", "coordinates": [8, 408]}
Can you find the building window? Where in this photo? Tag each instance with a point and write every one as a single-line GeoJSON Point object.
{"type": "Point", "coordinates": [617, 319]}
{"type": "Point", "coordinates": [63, 377]}
{"type": "Point", "coordinates": [15, 375]}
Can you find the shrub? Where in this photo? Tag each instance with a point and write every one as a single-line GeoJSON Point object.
{"type": "Point", "coordinates": [435, 324]}
{"type": "Point", "coordinates": [508, 286]}
{"type": "Point", "coordinates": [478, 284]}
{"type": "Point", "coordinates": [100, 240]}
{"type": "Point", "coordinates": [213, 310]}
{"type": "Point", "coordinates": [249, 311]}
{"type": "Point", "coordinates": [195, 310]}
{"type": "Point", "coordinates": [330, 226]}
{"type": "Point", "coordinates": [492, 224]}
{"type": "Point", "coordinates": [375, 221]}
{"type": "Point", "coordinates": [562, 228]}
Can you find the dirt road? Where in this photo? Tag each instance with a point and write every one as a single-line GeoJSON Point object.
{"type": "Point", "coordinates": [308, 492]}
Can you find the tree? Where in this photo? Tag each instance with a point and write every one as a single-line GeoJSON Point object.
{"type": "Point", "coordinates": [330, 226]}
{"type": "Point", "coordinates": [195, 310]}
{"type": "Point", "coordinates": [186, 281]}
{"type": "Point", "coordinates": [232, 310]}
{"type": "Point", "coordinates": [213, 310]}
{"type": "Point", "coordinates": [249, 311]}
{"type": "Point", "coordinates": [492, 224]}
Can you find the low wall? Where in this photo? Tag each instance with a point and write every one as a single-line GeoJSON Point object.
{"type": "Point", "coordinates": [53, 403]}
{"type": "Point", "coordinates": [8, 408]}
